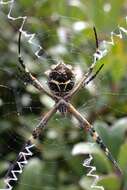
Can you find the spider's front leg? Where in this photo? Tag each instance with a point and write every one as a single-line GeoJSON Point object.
{"type": "Point", "coordinates": [26, 75]}
{"type": "Point", "coordinates": [27, 151]}
{"type": "Point", "coordinates": [88, 77]}
{"type": "Point", "coordinates": [86, 125]}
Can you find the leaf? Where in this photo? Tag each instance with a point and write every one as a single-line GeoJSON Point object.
{"type": "Point", "coordinates": [86, 183]}
{"type": "Point", "coordinates": [113, 137]}
{"type": "Point", "coordinates": [31, 178]}
{"type": "Point", "coordinates": [100, 161]}
{"type": "Point", "coordinates": [3, 166]}
{"type": "Point", "coordinates": [111, 182]}
{"type": "Point", "coordinates": [84, 148]}
{"type": "Point", "coordinates": [122, 157]}
{"type": "Point", "coordinates": [118, 131]}
{"type": "Point", "coordinates": [2, 184]}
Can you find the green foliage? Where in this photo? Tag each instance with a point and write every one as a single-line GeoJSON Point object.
{"type": "Point", "coordinates": [64, 30]}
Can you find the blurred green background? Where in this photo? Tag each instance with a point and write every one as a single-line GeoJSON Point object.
{"type": "Point", "coordinates": [64, 29]}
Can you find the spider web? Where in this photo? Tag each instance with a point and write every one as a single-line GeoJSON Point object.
{"type": "Point", "coordinates": [41, 54]}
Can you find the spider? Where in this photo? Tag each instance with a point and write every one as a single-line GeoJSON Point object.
{"type": "Point", "coordinates": [61, 83]}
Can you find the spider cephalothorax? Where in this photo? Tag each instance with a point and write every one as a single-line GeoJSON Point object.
{"type": "Point", "coordinates": [61, 79]}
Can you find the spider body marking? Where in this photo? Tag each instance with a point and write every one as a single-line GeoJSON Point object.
{"type": "Point", "coordinates": [61, 79]}
{"type": "Point", "coordinates": [61, 82]}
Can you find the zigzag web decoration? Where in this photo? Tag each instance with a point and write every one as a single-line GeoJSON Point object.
{"type": "Point", "coordinates": [31, 36]}
{"type": "Point", "coordinates": [92, 169]}
{"type": "Point", "coordinates": [26, 152]}
{"type": "Point", "coordinates": [17, 169]}
{"type": "Point", "coordinates": [82, 148]}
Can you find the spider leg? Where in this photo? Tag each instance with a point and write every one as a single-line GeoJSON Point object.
{"type": "Point", "coordinates": [86, 125]}
{"type": "Point", "coordinates": [27, 75]}
{"type": "Point", "coordinates": [90, 69]}
{"type": "Point", "coordinates": [93, 76]}
{"type": "Point", "coordinates": [27, 151]}
{"type": "Point", "coordinates": [96, 38]}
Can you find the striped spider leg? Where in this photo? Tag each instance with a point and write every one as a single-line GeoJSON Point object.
{"type": "Point", "coordinates": [86, 125]}
{"type": "Point", "coordinates": [26, 152]}
{"type": "Point", "coordinates": [87, 76]}
{"type": "Point", "coordinates": [28, 77]}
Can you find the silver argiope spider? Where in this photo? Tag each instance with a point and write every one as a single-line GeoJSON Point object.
{"type": "Point", "coordinates": [61, 82]}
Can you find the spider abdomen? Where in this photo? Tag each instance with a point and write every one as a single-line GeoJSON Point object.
{"type": "Point", "coordinates": [61, 79]}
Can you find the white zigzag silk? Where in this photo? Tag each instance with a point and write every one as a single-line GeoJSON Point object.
{"type": "Point", "coordinates": [23, 155]}
{"type": "Point", "coordinates": [92, 169]}
{"type": "Point", "coordinates": [23, 18]}
{"type": "Point", "coordinates": [87, 149]}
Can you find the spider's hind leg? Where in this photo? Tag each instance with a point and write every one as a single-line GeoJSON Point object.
{"type": "Point", "coordinates": [99, 141]}
{"type": "Point", "coordinates": [95, 136]}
